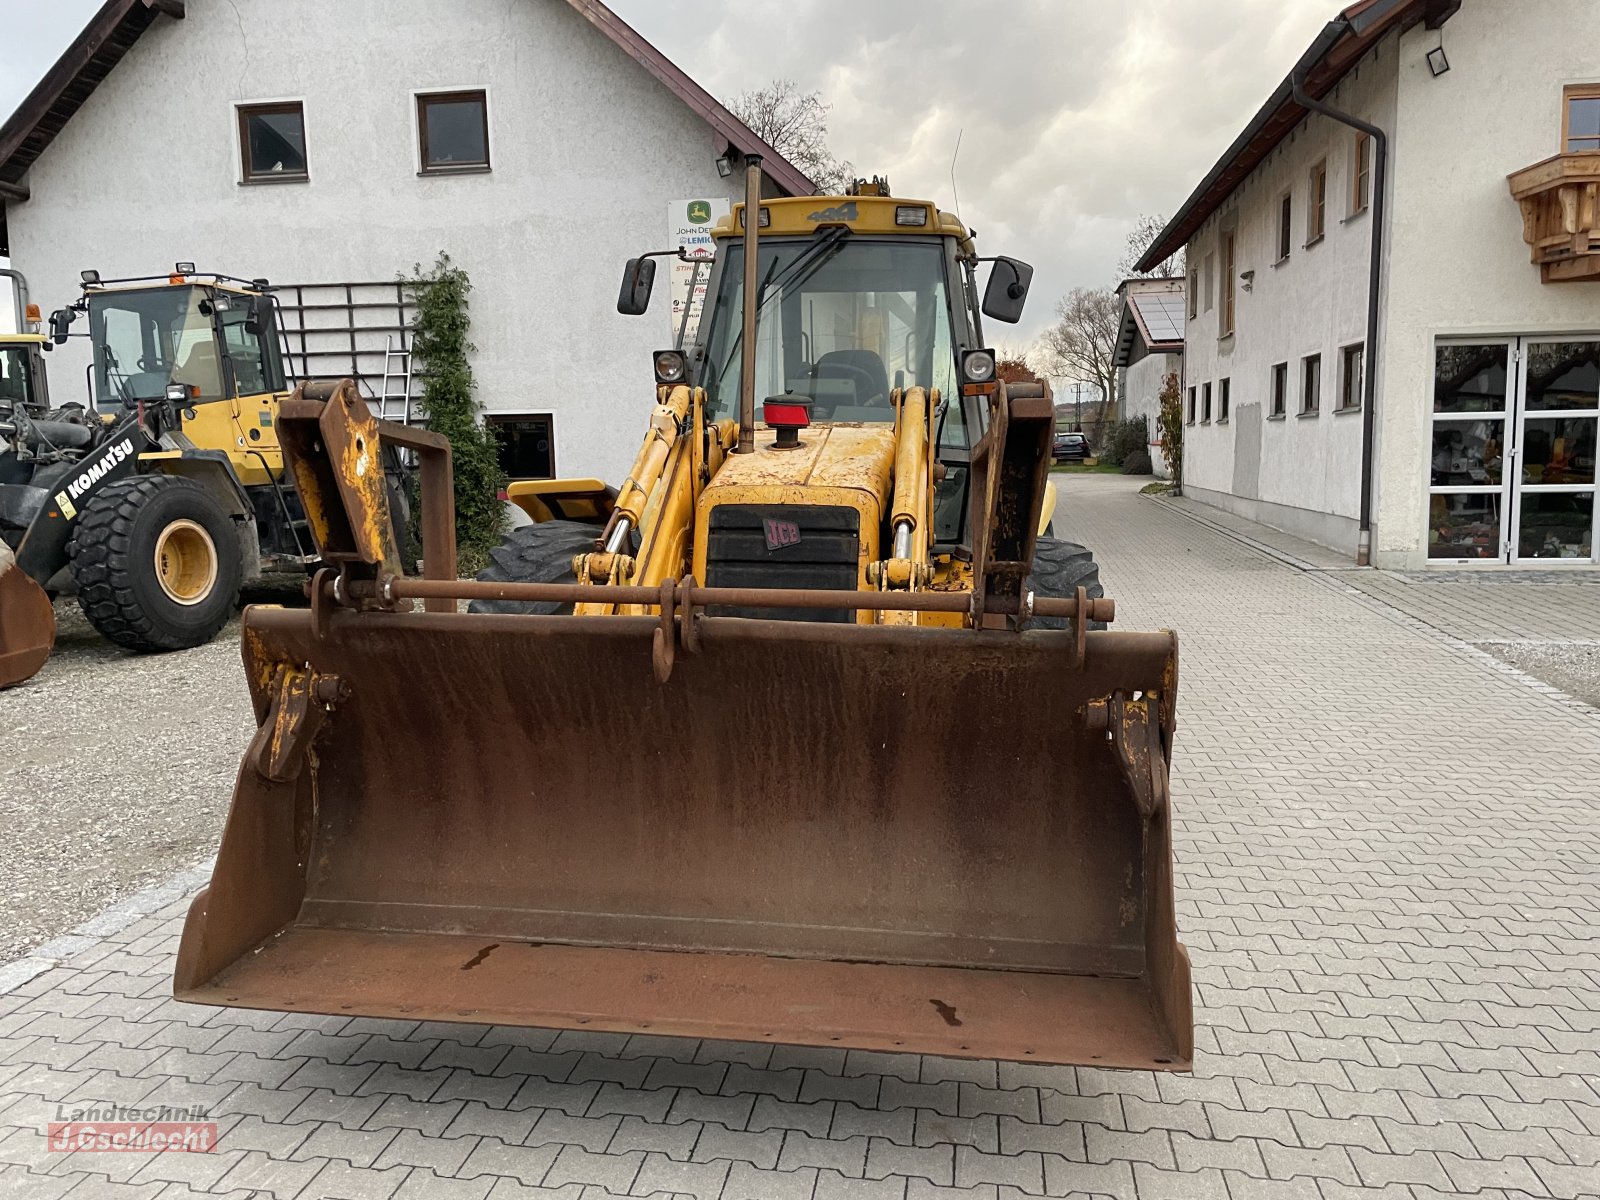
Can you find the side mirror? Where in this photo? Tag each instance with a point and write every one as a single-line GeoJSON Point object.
{"type": "Point", "coordinates": [259, 318]}
{"type": "Point", "coordinates": [60, 321]}
{"type": "Point", "coordinates": [638, 277]}
{"type": "Point", "coordinates": [1007, 292]}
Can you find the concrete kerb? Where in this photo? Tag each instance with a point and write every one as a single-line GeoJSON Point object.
{"type": "Point", "coordinates": [103, 925]}
{"type": "Point", "coordinates": [1325, 577]}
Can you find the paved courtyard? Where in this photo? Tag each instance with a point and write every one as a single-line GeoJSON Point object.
{"type": "Point", "coordinates": [1388, 849]}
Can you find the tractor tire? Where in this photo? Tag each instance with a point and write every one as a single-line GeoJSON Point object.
{"type": "Point", "coordinates": [539, 553]}
{"type": "Point", "coordinates": [1059, 570]}
{"type": "Point", "coordinates": [157, 564]}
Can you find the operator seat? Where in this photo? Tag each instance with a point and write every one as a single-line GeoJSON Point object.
{"type": "Point", "coordinates": [201, 368]}
{"type": "Point", "coordinates": [863, 368]}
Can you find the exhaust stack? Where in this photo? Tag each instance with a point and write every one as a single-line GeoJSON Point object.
{"type": "Point", "coordinates": [747, 337]}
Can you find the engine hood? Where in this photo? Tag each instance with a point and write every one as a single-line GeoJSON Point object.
{"type": "Point", "coordinates": [847, 456]}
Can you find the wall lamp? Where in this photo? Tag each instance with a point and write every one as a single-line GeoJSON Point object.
{"type": "Point", "coordinates": [1438, 61]}
{"type": "Point", "coordinates": [725, 164]}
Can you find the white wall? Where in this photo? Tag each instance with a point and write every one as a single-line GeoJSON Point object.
{"type": "Point", "coordinates": [1296, 473]}
{"type": "Point", "coordinates": [1458, 263]}
{"type": "Point", "coordinates": [586, 148]}
{"type": "Point", "coordinates": [1141, 397]}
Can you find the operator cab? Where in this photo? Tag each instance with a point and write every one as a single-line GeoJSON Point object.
{"type": "Point", "coordinates": [214, 336]}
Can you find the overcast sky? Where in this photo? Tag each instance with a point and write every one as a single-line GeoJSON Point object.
{"type": "Point", "coordinates": [1078, 115]}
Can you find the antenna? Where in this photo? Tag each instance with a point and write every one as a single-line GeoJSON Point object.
{"type": "Point", "coordinates": [956, 192]}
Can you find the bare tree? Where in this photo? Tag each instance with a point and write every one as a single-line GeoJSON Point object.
{"type": "Point", "coordinates": [795, 124]}
{"type": "Point", "coordinates": [1145, 232]}
{"type": "Point", "coordinates": [1082, 344]}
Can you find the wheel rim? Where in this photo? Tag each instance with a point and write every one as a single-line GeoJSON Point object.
{"type": "Point", "coordinates": [186, 562]}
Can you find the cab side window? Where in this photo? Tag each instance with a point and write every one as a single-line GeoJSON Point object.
{"type": "Point", "coordinates": [255, 367]}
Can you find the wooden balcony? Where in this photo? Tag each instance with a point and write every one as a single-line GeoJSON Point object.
{"type": "Point", "coordinates": [1560, 200]}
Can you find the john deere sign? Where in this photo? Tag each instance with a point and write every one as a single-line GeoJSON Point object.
{"type": "Point", "coordinates": [689, 226]}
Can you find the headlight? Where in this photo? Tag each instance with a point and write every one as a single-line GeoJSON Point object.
{"type": "Point", "coordinates": [977, 366]}
{"type": "Point", "coordinates": [670, 366]}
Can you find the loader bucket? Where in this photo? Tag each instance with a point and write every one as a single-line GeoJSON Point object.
{"type": "Point", "coordinates": [27, 623]}
{"type": "Point", "coordinates": [899, 839]}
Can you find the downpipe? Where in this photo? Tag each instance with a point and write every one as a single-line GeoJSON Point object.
{"type": "Point", "coordinates": [1380, 181]}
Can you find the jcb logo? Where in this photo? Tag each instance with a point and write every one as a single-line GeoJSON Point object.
{"type": "Point", "coordinates": [781, 534]}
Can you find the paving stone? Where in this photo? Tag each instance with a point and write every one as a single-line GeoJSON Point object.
{"type": "Point", "coordinates": [593, 1134]}
{"type": "Point", "coordinates": [973, 1166]}
{"type": "Point", "coordinates": [936, 1164]}
{"type": "Point", "coordinates": [381, 1048]}
{"type": "Point", "coordinates": [703, 1180]}
{"type": "Point", "coordinates": [981, 1133]}
{"type": "Point", "coordinates": [750, 1183]}
{"type": "Point", "coordinates": [848, 1156]}
{"type": "Point", "coordinates": [509, 1125]}
{"type": "Point", "coordinates": [702, 1077]}
{"type": "Point", "coordinates": [757, 1149]}
{"type": "Point", "coordinates": [270, 1138]}
{"type": "Point", "coordinates": [742, 1078]}
{"type": "Point", "coordinates": [674, 1141]}
{"type": "Point", "coordinates": [1022, 1103]}
{"type": "Point", "coordinates": [979, 1072]}
{"type": "Point", "coordinates": [400, 1112]}
{"type": "Point", "coordinates": [895, 1125]}
{"type": "Point", "coordinates": [491, 1156]}
{"type": "Point", "coordinates": [270, 1176]}
{"type": "Point", "coordinates": [730, 1111]}
{"type": "Point", "coordinates": [940, 1097]}
{"type": "Point", "coordinates": [831, 1185]}
{"type": "Point", "coordinates": [443, 1156]}
{"type": "Point", "coordinates": [613, 1098]}
{"type": "Point", "coordinates": [615, 1172]}
{"type": "Point", "coordinates": [1067, 1139]}
{"type": "Point", "coordinates": [337, 1179]}
{"type": "Point", "coordinates": [629, 1072]}
{"type": "Point", "coordinates": [813, 1118]}
{"type": "Point", "coordinates": [752, 1054]}
{"type": "Point", "coordinates": [573, 1099]}
{"type": "Point", "coordinates": [423, 1184]}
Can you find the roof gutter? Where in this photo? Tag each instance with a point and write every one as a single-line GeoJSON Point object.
{"type": "Point", "coordinates": [1380, 175]}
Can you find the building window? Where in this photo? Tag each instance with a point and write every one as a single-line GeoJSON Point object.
{"type": "Point", "coordinates": [1194, 294]}
{"type": "Point", "coordinates": [1205, 405]}
{"type": "Point", "coordinates": [1581, 128]}
{"type": "Point", "coordinates": [1361, 175]}
{"type": "Point", "coordinates": [1211, 273]}
{"type": "Point", "coordinates": [1224, 401]}
{"type": "Point", "coordinates": [1352, 373]}
{"type": "Point", "coordinates": [1311, 385]}
{"type": "Point", "coordinates": [1190, 419]}
{"type": "Point", "coordinates": [272, 143]}
{"type": "Point", "coordinates": [453, 128]}
{"type": "Point", "coordinates": [1229, 285]}
{"type": "Point", "coordinates": [527, 445]}
{"type": "Point", "coordinates": [1285, 227]}
{"type": "Point", "coordinates": [1317, 214]}
{"type": "Point", "coordinates": [1280, 389]}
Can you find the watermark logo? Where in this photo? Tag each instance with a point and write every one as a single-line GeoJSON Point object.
{"type": "Point", "coordinates": [133, 1129]}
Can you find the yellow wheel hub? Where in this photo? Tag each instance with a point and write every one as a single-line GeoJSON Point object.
{"type": "Point", "coordinates": [186, 562]}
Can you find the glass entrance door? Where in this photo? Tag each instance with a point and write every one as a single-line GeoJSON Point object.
{"type": "Point", "coordinates": [1553, 514]}
{"type": "Point", "coordinates": [1512, 477]}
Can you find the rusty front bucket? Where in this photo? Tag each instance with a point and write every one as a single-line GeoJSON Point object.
{"type": "Point", "coordinates": [27, 623]}
{"type": "Point", "coordinates": [909, 839]}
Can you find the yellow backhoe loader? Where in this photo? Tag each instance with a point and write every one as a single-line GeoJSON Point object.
{"type": "Point", "coordinates": [805, 735]}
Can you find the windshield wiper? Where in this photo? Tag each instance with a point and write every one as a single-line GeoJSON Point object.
{"type": "Point", "coordinates": [808, 261]}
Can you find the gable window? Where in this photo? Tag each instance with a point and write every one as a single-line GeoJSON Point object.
{"type": "Point", "coordinates": [1194, 294]}
{"type": "Point", "coordinates": [1580, 131]}
{"type": "Point", "coordinates": [1224, 400]}
{"type": "Point", "coordinates": [453, 128]}
{"type": "Point", "coordinates": [1205, 405]}
{"type": "Point", "coordinates": [1361, 174]}
{"type": "Point", "coordinates": [272, 143]}
{"type": "Point", "coordinates": [1311, 386]}
{"type": "Point", "coordinates": [1228, 284]}
{"type": "Point", "coordinates": [1317, 213]}
{"type": "Point", "coordinates": [1285, 226]}
{"type": "Point", "coordinates": [1352, 373]}
{"type": "Point", "coordinates": [1190, 420]}
{"type": "Point", "coordinates": [1280, 389]}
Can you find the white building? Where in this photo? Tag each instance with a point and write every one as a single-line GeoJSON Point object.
{"type": "Point", "coordinates": [1480, 437]}
{"type": "Point", "coordinates": [539, 143]}
{"type": "Point", "coordinates": [1149, 351]}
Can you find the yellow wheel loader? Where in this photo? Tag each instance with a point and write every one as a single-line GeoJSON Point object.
{"type": "Point", "coordinates": [163, 491]}
{"type": "Point", "coordinates": [794, 738]}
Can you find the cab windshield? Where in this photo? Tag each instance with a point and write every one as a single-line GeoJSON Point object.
{"type": "Point", "coordinates": [842, 322]}
{"type": "Point", "coordinates": [144, 340]}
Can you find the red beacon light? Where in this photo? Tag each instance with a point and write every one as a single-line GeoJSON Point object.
{"type": "Point", "coordinates": [787, 415]}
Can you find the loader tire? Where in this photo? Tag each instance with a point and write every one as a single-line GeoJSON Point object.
{"type": "Point", "coordinates": [157, 564]}
{"type": "Point", "coordinates": [1059, 570]}
{"type": "Point", "coordinates": [539, 553]}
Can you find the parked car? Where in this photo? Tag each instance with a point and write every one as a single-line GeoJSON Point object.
{"type": "Point", "coordinates": [1071, 447]}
